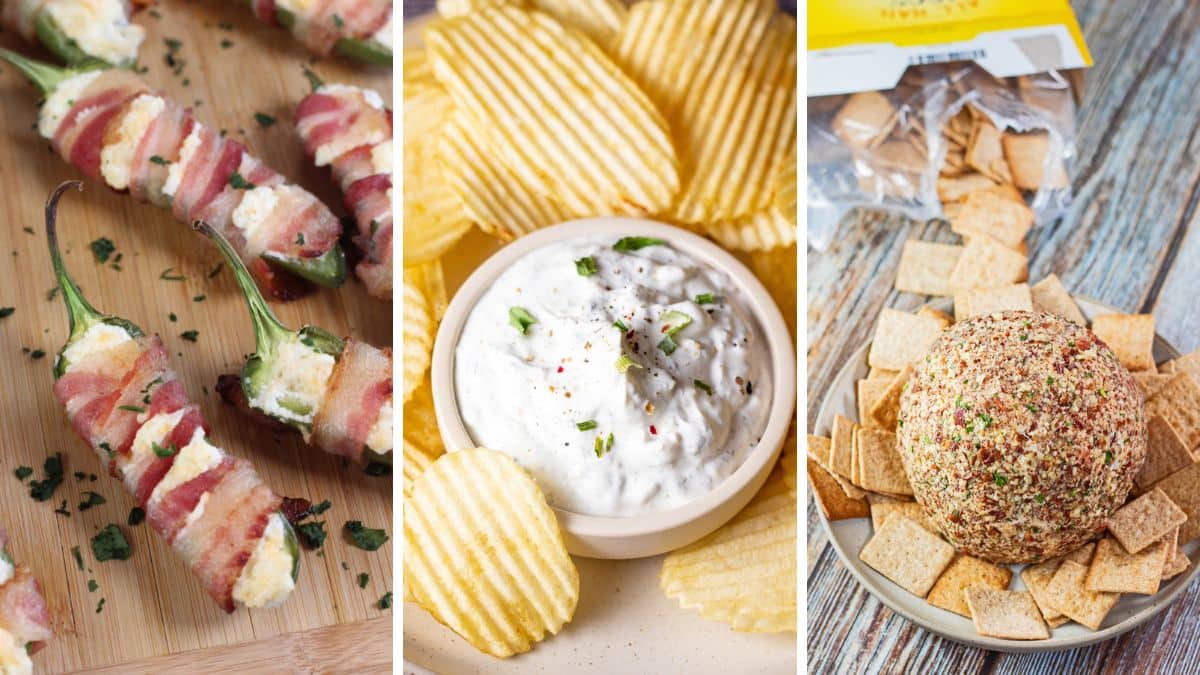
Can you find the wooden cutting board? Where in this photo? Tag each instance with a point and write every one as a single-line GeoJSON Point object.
{"type": "Point", "coordinates": [233, 68]}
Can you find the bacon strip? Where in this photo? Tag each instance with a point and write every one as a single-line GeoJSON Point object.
{"type": "Point", "coordinates": [23, 610]}
{"type": "Point", "coordinates": [342, 117]}
{"type": "Point", "coordinates": [359, 387]}
{"type": "Point", "coordinates": [80, 136]}
{"type": "Point", "coordinates": [207, 189]}
{"type": "Point", "coordinates": [324, 22]}
{"type": "Point", "coordinates": [219, 543]}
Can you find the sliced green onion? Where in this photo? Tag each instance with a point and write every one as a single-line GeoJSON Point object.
{"type": "Point", "coordinates": [667, 345]}
{"type": "Point", "coordinates": [159, 450]}
{"type": "Point", "coordinates": [608, 443]}
{"type": "Point", "coordinates": [703, 386]}
{"type": "Point", "coordinates": [586, 266]}
{"type": "Point", "coordinates": [585, 425]}
{"type": "Point", "coordinates": [520, 319]}
{"type": "Point", "coordinates": [621, 324]}
{"type": "Point", "coordinates": [624, 363]}
{"type": "Point", "coordinates": [598, 446]}
{"type": "Point", "coordinates": [705, 299]}
{"type": "Point", "coordinates": [626, 244]}
{"type": "Point", "coordinates": [674, 321]}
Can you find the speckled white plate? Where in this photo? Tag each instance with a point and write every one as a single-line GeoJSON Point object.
{"type": "Point", "coordinates": [849, 536]}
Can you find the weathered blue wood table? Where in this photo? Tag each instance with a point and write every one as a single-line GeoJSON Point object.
{"type": "Point", "coordinates": [1131, 240]}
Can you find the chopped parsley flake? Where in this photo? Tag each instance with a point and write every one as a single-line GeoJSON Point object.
{"type": "Point", "coordinates": [318, 509]}
{"type": "Point", "coordinates": [100, 606]}
{"type": "Point", "coordinates": [158, 159]}
{"type": "Point", "coordinates": [667, 345]}
{"type": "Point", "coordinates": [190, 335]}
{"type": "Point", "coordinates": [160, 451]}
{"type": "Point", "coordinates": [625, 244]}
{"type": "Point", "coordinates": [386, 601]}
{"type": "Point", "coordinates": [132, 408]}
{"type": "Point", "coordinates": [312, 534]}
{"type": "Point", "coordinates": [703, 386]}
{"type": "Point", "coordinates": [363, 580]}
{"type": "Point", "coordinates": [585, 425]}
{"type": "Point", "coordinates": [366, 538]}
{"type": "Point", "coordinates": [237, 182]}
{"type": "Point", "coordinates": [264, 120]}
{"type": "Point", "coordinates": [520, 319]}
{"type": "Point", "coordinates": [102, 248]}
{"type": "Point", "coordinates": [586, 266]}
{"type": "Point", "coordinates": [6, 312]}
{"type": "Point", "coordinates": [43, 490]}
{"type": "Point", "coordinates": [1041, 499]}
{"type": "Point", "coordinates": [78, 557]}
{"type": "Point", "coordinates": [170, 275]}
{"type": "Point", "coordinates": [23, 472]}
{"type": "Point", "coordinates": [1108, 457]}
{"type": "Point", "coordinates": [1000, 479]}
{"type": "Point", "coordinates": [110, 544]}
{"type": "Point", "coordinates": [313, 79]}
{"type": "Point", "coordinates": [92, 586]}
{"type": "Point", "coordinates": [136, 515]}
{"type": "Point", "coordinates": [91, 499]}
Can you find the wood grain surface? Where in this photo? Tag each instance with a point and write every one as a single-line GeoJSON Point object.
{"type": "Point", "coordinates": [153, 605]}
{"type": "Point", "coordinates": [1132, 239]}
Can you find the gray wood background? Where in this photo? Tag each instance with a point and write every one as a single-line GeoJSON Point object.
{"type": "Point", "coordinates": [1132, 240]}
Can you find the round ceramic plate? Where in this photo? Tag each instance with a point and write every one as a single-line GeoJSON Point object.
{"type": "Point", "coordinates": [849, 536]}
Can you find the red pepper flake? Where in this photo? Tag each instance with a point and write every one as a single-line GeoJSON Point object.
{"type": "Point", "coordinates": [560, 369]}
{"type": "Point", "coordinates": [653, 431]}
{"type": "Point", "coordinates": [666, 327]}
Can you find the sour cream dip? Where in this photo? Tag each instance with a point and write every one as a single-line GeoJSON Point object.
{"type": "Point", "coordinates": [624, 375]}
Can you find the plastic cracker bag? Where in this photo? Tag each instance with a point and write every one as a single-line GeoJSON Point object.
{"type": "Point", "coordinates": [943, 132]}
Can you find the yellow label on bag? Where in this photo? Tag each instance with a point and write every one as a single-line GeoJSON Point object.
{"type": "Point", "coordinates": [862, 45]}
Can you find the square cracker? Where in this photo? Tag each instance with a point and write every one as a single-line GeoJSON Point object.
{"type": "Point", "coordinates": [1066, 593]}
{"type": "Point", "coordinates": [908, 554]}
{"type": "Point", "coordinates": [1183, 487]}
{"type": "Point", "coordinates": [865, 117]}
{"type": "Point", "coordinates": [881, 511]}
{"type": "Point", "coordinates": [818, 447]}
{"type": "Point", "coordinates": [1178, 401]}
{"type": "Point", "coordinates": [818, 450]}
{"type": "Point", "coordinates": [987, 213]}
{"type": "Point", "coordinates": [870, 391]}
{"type": "Point", "coordinates": [1176, 565]}
{"type": "Point", "coordinates": [1115, 571]}
{"type": "Point", "coordinates": [1130, 336]}
{"type": "Point", "coordinates": [1145, 520]}
{"type": "Point", "coordinates": [886, 409]}
{"type": "Point", "coordinates": [964, 573]}
{"type": "Point", "coordinates": [925, 267]}
{"type": "Point", "coordinates": [1011, 615]}
{"type": "Point", "coordinates": [831, 499]}
{"type": "Point", "coordinates": [841, 452]}
{"type": "Point", "coordinates": [1150, 381]}
{"type": "Point", "coordinates": [1050, 296]}
{"type": "Point", "coordinates": [957, 188]}
{"type": "Point", "coordinates": [880, 466]}
{"type": "Point", "coordinates": [901, 338]}
{"type": "Point", "coordinates": [943, 319]}
{"type": "Point", "coordinates": [1165, 453]}
{"type": "Point", "coordinates": [986, 263]}
{"type": "Point", "coordinates": [985, 152]}
{"type": "Point", "coordinates": [1036, 578]}
{"type": "Point", "coordinates": [1188, 363]}
{"type": "Point", "coordinates": [1028, 156]}
{"type": "Point", "coordinates": [980, 301]}
{"type": "Point", "coordinates": [882, 374]}
{"type": "Point", "coordinates": [1083, 554]}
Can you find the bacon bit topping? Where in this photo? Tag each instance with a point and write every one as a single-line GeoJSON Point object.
{"type": "Point", "coordinates": [653, 431]}
{"type": "Point", "coordinates": [560, 369]}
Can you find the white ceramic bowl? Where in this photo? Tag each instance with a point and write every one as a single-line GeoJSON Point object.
{"type": "Point", "coordinates": [661, 531]}
{"type": "Point", "coordinates": [849, 536]}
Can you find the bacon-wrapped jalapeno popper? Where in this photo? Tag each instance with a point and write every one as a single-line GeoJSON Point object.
{"type": "Point", "coordinates": [123, 399]}
{"type": "Point", "coordinates": [110, 126]}
{"type": "Point", "coordinates": [24, 617]}
{"type": "Point", "coordinates": [78, 31]}
{"type": "Point", "coordinates": [336, 393]}
{"type": "Point", "coordinates": [358, 29]}
{"type": "Point", "coordinates": [350, 130]}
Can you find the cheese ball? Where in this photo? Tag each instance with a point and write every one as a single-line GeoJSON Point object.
{"type": "Point", "coordinates": [1021, 433]}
